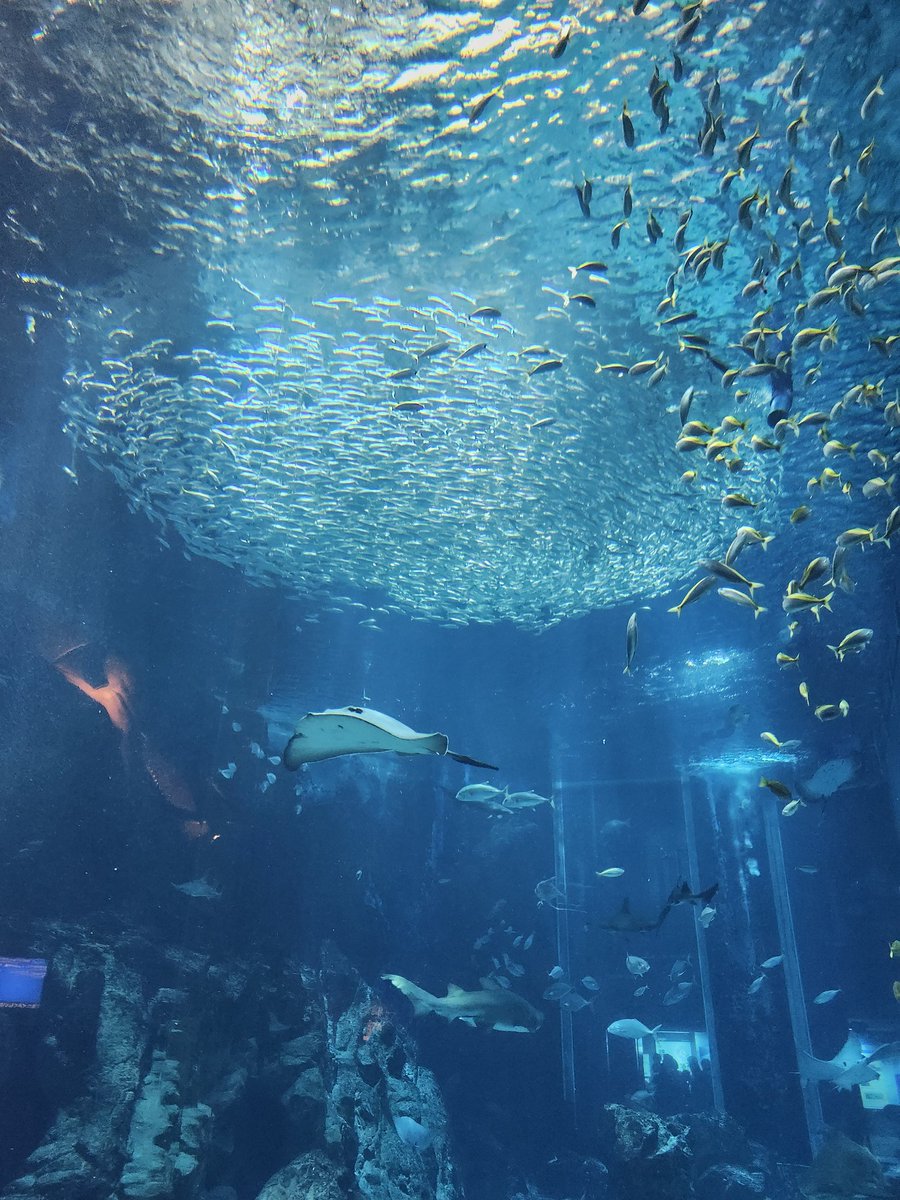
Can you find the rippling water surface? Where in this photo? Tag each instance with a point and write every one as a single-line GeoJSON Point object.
{"type": "Point", "coordinates": [321, 290]}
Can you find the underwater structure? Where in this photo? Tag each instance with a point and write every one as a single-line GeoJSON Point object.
{"type": "Point", "coordinates": [450, 604]}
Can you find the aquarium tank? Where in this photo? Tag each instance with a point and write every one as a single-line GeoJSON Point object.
{"type": "Point", "coordinates": [450, 600]}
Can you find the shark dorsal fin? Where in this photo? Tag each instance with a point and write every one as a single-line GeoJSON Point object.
{"type": "Point", "coordinates": [453, 989]}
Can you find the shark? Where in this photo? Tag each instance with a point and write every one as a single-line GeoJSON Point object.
{"type": "Point", "coordinates": [354, 730]}
{"type": "Point", "coordinates": [493, 1007]}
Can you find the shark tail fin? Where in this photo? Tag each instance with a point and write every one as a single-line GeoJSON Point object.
{"type": "Point", "coordinates": [707, 895]}
{"type": "Point", "coordinates": [423, 1002]}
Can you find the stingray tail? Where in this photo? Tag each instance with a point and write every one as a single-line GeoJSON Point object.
{"type": "Point", "coordinates": [471, 762]}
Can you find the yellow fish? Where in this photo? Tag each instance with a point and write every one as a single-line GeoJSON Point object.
{"type": "Point", "coordinates": [776, 787]}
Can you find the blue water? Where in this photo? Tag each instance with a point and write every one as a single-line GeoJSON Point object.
{"type": "Point", "coordinates": [180, 582]}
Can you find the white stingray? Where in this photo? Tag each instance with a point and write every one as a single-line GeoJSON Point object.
{"type": "Point", "coordinates": [353, 730]}
{"type": "Point", "coordinates": [849, 1066]}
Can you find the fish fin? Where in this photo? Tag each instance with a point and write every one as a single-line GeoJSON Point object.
{"type": "Point", "coordinates": [287, 757]}
{"type": "Point", "coordinates": [453, 989]}
{"type": "Point", "coordinates": [676, 610]}
{"type": "Point", "coordinates": [708, 894]}
{"type": "Point", "coordinates": [423, 1002]}
{"type": "Point", "coordinates": [655, 1030]}
{"type": "Point", "coordinates": [627, 670]}
{"type": "Point", "coordinates": [466, 1021]}
{"type": "Point", "coordinates": [471, 762]}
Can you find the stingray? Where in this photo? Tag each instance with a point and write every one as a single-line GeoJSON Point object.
{"type": "Point", "coordinates": [623, 920]}
{"type": "Point", "coordinates": [352, 730]}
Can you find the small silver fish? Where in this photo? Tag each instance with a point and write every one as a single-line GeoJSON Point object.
{"type": "Point", "coordinates": [631, 641]}
{"type": "Point", "coordinates": [827, 996]}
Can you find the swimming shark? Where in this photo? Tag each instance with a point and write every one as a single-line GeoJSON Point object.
{"type": "Point", "coordinates": [354, 730]}
{"type": "Point", "coordinates": [493, 1007]}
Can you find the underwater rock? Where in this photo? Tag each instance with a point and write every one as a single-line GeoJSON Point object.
{"type": "Point", "coordinates": [715, 1138]}
{"type": "Point", "coordinates": [92, 1043]}
{"type": "Point", "coordinates": [725, 1182]}
{"type": "Point", "coordinates": [571, 1174]}
{"type": "Point", "coordinates": [305, 1103]}
{"type": "Point", "coordinates": [313, 1176]}
{"type": "Point", "coordinates": [843, 1168]}
{"type": "Point", "coordinates": [647, 1155]}
{"type": "Point", "coordinates": [163, 1095]}
{"type": "Point", "coordinates": [374, 1081]}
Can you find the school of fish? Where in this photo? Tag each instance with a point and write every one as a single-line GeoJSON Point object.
{"type": "Point", "coordinates": [476, 296]}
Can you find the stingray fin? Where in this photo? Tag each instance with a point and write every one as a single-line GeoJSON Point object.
{"type": "Point", "coordinates": [471, 762]}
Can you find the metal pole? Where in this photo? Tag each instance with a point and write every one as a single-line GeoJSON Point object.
{"type": "Point", "coordinates": [709, 1014]}
{"type": "Point", "coordinates": [812, 1101]}
{"type": "Point", "coordinates": [562, 942]}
